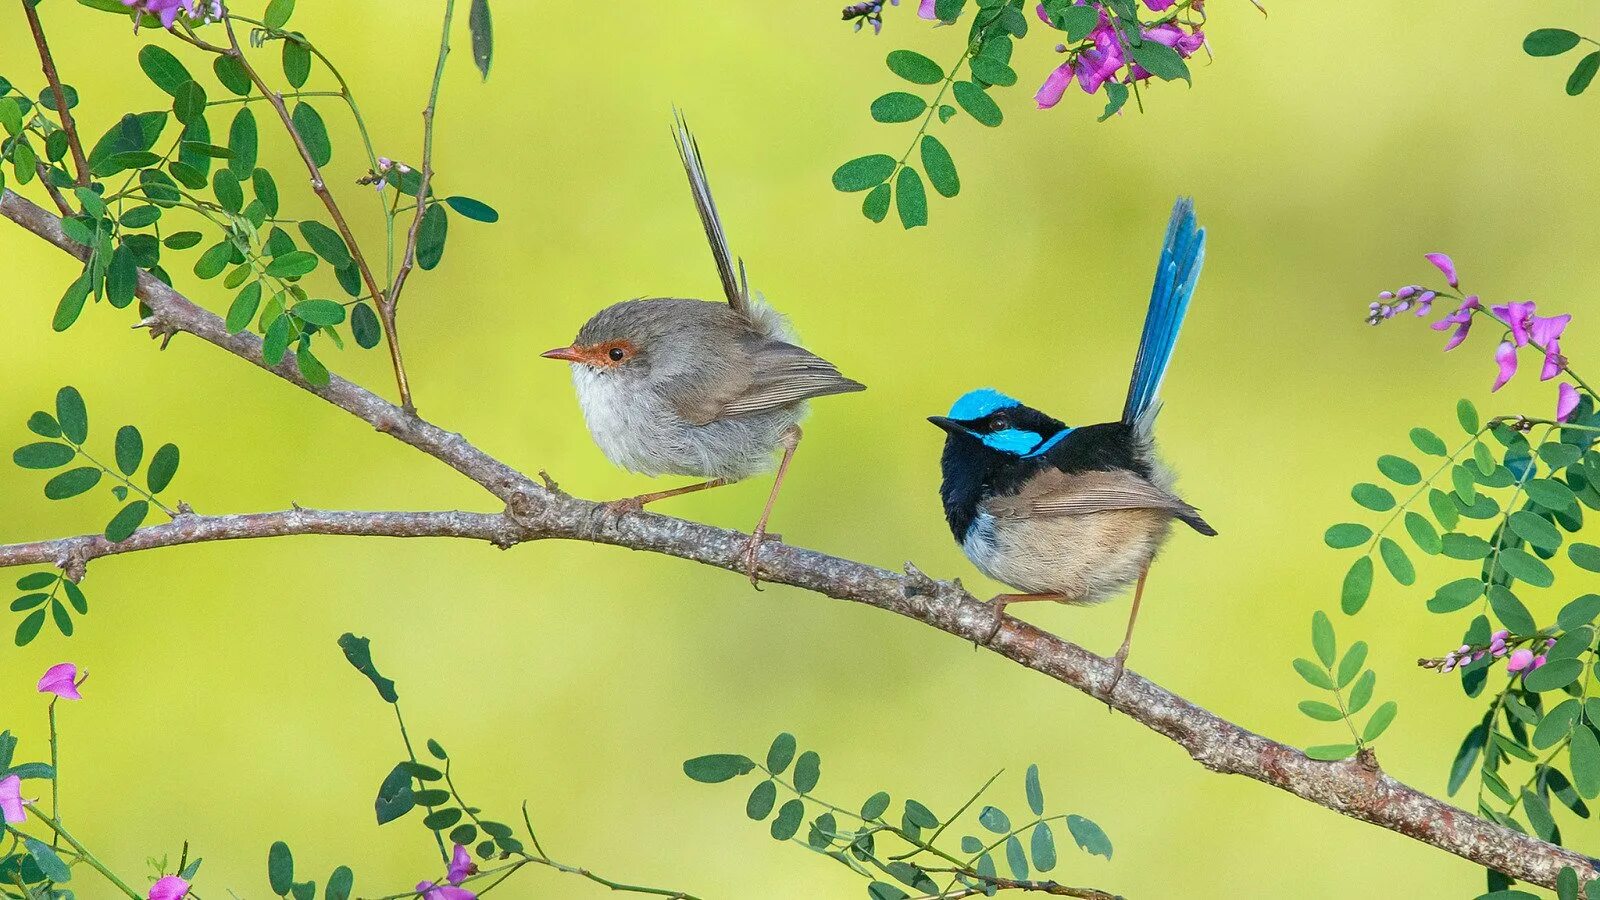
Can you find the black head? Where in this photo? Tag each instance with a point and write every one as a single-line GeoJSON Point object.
{"type": "Point", "coordinates": [992, 444]}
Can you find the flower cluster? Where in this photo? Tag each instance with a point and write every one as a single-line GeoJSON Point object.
{"type": "Point", "coordinates": [196, 12]}
{"type": "Point", "coordinates": [1520, 661]}
{"type": "Point", "coordinates": [1105, 51]}
{"type": "Point", "coordinates": [1524, 328]}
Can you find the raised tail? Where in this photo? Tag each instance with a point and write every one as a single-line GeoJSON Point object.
{"type": "Point", "coordinates": [1176, 274]}
{"type": "Point", "coordinates": [733, 280]}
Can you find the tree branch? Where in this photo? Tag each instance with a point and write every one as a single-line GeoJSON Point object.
{"type": "Point", "coordinates": [1354, 787]}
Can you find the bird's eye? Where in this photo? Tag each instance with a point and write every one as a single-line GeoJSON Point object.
{"type": "Point", "coordinates": [998, 423]}
{"type": "Point", "coordinates": [617, 354]}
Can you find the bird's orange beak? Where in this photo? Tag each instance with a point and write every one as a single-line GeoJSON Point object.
{"type": "Point", "coordinates": [569, 354]}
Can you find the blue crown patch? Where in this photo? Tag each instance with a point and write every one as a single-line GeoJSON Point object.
{"type": "Point", "coordinates": [979, 403]}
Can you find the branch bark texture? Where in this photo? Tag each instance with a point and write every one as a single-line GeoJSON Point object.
{"type": "Point", "coordinates": [1357, 787]}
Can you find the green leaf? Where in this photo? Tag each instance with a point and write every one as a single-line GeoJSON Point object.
{"type": "Point", "coordinates": [1458, 594]}
{"type": "Point", "coordinates": [1579, 612]}
{"type": "Point", "coordinates": [71, 303]}
{"type": "Point", "coordinates": [1585, 756]}
{"type": "Point", "coordinates": [327, 243]}
{"type": "Point", "coordinates": [1351, 664]}
{"type": "Point", "coordinates": [1583, 74]}
{"type": "Point", "coordinates": [313, 132]}
{"type": "Point", "coordinates": [293, 264]}
{"type": "Point", "coordinates": [243, 309]}
{"type": "Point", "coordinates": [53, 867]}
{"type": "Point", "coordinates": [1510, 611]}
{"type": "Point", "coordinates": [914, 67]}
{"type": "Point", "coordinates": [1373, 497]}
{"type": "Point", "coordinates": [296, 62]}
{"type": "Point", "coordinates": [43, 455]}
{"type": "Point", "coordinates": [761, 800]}
{"type": "Point", "coordinates": [1399, 470]}
{"type": "Point", "coordinates": [122, 276]}
{"type": "Point", "coordinates": [1313, 675]}
{"type": "Point", "coordinates": [44, 425]}
{"type": "Point", "coordinates": [883, 890]}
{"type": "Point", "coordinates": [1550, 494]}
{"type": "Point", "coordinates": [358, 651]}
{"type": "Point", "coordinates": [1444, 509]}
{"type": "Point", "coordinates": [1362, 692]}
{"type": "Point", "coordinates": [1553, 676]}
{"type": "Point", "coordinates": [277, 16]}
{"type": "Point", "coordinates": [231, 74]}
{"type": "Point", "coordinates": [1567, 884]}
{"type": "Point", "coordinates": [807, 770]}
{"type": "Point", "coordinates": [1034, 790]}
{"type": "Point", "coordinates": [190, 103]}
{"type": "Point", "coordinates": [243, 144]}
{"type": "Point", "coordinates": [33, 581]}
{"type": "Point", "coordinates": [280, 868]}
{"type": "Point", "coordinates": [1467, 756]}
{"type": "Point", "coordinates": [1357, 586]}
{"type": "Point", "coordinates": [226, 186]}
{"type": "Point", "coordinates": [431, 236]}
{"type": "Point", "coordinates": [1016, 859]}
{"type": "Point", "coordinates": [1585, 556]}
{"type": "Point", "coordinates": [441, 819]}
{"type": "Point", "coordinates": [1381, 717]}
{"type": "Point", "coordinates": [275, 343]}
{"type": "Point", "coordinates": [1396, 561]}
{"type": "Point", "coordinates": [1549, 42]}
{"type": "Point", "coordinates": [898, 106]}
{"type": "Point", "coordinates": [1088, 836]}
{"type": "Point", "coordinates": [72, 415]}
{"type": "Point", "coordinates": [364, 326]}
{"type": "Point", "coordinates": [1556, 724]}
{"type": "Point", "coordinates": [476, 210]}
{"type": "Point", "coordinates": [163, 465]}
{"type": "Point", "coordinates": [1346, 535]}
{"type": "Point", "coordinates": [1331, 752]}
{"type": "Point", "coordinates": [1422, 533]}
{"type": "Point", "coordinates": [788, 819]}
{"type": "Point", "coordinates": [72, 482]}
{"type": "Point", "coordinates": [876, 204]}
{"type": "Point", "coordinates": [481, 25]}
{"type": "Point", "coordinates": [1320, 711]}
{"type": "Point", "coordinates": [181, 240]}
{"type": "Point", "coordinates": [920, 815]}
{"type": "Point", "coordinates": [992, 71]}
{"type": "Point", "coordinates": [1428, 442]}
{"type": "Point", "coordinates": [1524, 566]}
{"type": "Point", "coordinates": [325, 313]}
{"type": "Point", "coordinates": [1322, 638]}
{"type": "Point", "coordinates": [129, 449]}
{"type": "Point", "coordinates": [863, 172]}
{"type": "Point", "coordinates": [1161, 61]}
{"type": "Point", "coordinates": [781, 753]}
{"type": "Point", "coordinates": [310, 367]}
{"type": "Point", "coordinates": [1535, 529]}
{"type": "Point", "coordinates": [164, 69]}
{"type": "Point", "coordinates": [994, 819]}
{"type": "Point", "coordinates": [1042, 846]}
{"type": "Point", "coordinates": [940, 167]}
{"type": "Point", "coordinates": [978, 104]}
{"type": "Point", "coordinates": [28, 628]}
{"type": "Point", "coordinates": [1467, 415]}
{"type": "Point", "coordinates": [875, 805]}
{"type": "Point", "coordinates": [1464, 546]}
{"type": "Point", "coordinates": [911, 201]}
{"type": "Point", "coordinates": [717, 767]}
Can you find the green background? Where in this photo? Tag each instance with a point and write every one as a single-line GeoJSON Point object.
{"type": "Point", "coordinates": [1327, 147]}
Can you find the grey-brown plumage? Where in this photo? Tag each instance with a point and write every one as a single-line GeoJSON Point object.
{"type": "Point", "coordinates": [672, 386]}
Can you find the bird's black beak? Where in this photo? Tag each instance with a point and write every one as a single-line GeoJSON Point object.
{"type": "Point", "coordinates": [948, 424]}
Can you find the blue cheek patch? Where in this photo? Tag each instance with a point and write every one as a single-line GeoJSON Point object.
{"type": "Point", "coordinates": [1013, 440]}
{"type": "Point", "coordinates": [1055, 439]}
{"type": "Point", "coordinates": [979, 403]}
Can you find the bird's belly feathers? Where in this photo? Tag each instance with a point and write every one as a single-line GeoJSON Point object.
{"type": "Point", "coordinates": [1086, 558]}
{"type": "Point", "coordinates": [641, 432]}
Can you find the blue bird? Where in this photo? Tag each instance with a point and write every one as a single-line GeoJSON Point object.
{"type": "Point", "coordinates": [1074, 514]}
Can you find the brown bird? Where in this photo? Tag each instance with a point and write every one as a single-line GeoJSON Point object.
{"type": "Point", "coordinates": [673, 386]}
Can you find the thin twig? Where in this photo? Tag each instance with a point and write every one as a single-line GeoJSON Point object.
{"type": "Point", "coordinates": [425, 171]}
{"type": "Point", "coordinates": [48, 63]}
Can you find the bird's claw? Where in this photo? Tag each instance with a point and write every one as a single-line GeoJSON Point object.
{"type": "Point", "coordinates": [752, 554]}
{"type": "Point", "coordinates": [999, 606]}
{"type": "Point", "coordinates": [620, 508]}
{"type": "Point", "coordinates": [1119, 665]}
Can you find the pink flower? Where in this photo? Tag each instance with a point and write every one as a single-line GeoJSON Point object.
{"type": "Point", "coordinates": [170, 887]}
{"type": "Point", "coordinates": [461, 865]}
{"type": "Point", "coordinates": [1461, 319]}
{"type": "Point", "coordinates": [1553, 361]}
{"type": "Point", "coordinates": [1049, 93]}
{"type": "Point", "coordinates": [1538, 661]}
{"type": "Point", "coordinates": [1545, 330]}
{"type": "Point", "coordinates": [1517, 315]}
{"type": "Point", "coordinates": [1506, 356]}
{"type": "Point", "coordinates": [61, 679]}
{"type": "Point", "coordinates": [926, 10]}
{"type": "Point", "coordinates": [11, 799]}
{"type": "Point", "coordinates": [1445, 265]}
{"type": "Point", "coordinates": [165, 10]}
{"type": "Point", "coordinates": [431, 891]}
{"type": "Point", "coordinates": [1160, 5]}
{"type": "Point", "coordinates": [1520, 659]}
{"type": "Point", "coordinates": [1566, 401]}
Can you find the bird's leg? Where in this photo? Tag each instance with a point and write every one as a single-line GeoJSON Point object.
{"type": "Point", "coordinates": [1001, 601]}
{"type": "Point", "coordinates": [790, 440]}
{"type": "Point", "coordinates": [1119, 662]}
{"type": "Point", "coordinates": [634, 504]}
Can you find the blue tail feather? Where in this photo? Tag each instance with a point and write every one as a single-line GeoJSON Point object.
{"type": "Point", "coordinates": [1179, 269]}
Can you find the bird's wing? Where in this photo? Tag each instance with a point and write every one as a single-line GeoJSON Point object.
{"type": "Point", "coordinates": [779, 374]}
{"type": "Point", "coordinates": [734, 284]}
{"type": "Point", "coordinates": [1056, 493]}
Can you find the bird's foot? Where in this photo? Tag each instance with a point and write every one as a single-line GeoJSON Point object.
{"type": "Point", "coordinates": [998, 604]}
{"type": "Point", "coordinates": [1119, 664]}
{"type": "Point", "coordinates": [620, 508]}
{"type": "Point", "coordinates": [752, 554]}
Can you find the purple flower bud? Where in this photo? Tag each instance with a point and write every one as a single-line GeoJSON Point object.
{"type": "Point", "coordinates": [1405, 292]}
{"type": "Point", "coordinates": [1500, 635]}
{"type": "Point", "coordinates": [1464, 649]}
{"type": "Point", "coordinates": [1386, 295]}
{"type": "Point", "coordinates": [1449, 663]}
{"type": "Point", "coordinates": [1478, 655]}
{"type": "Point", "coordinates": [1549, 642]}
{"type": "Point", "coordinates": [1520, 660]}
{"type": "Point", "coordinates": [1402, 306]}
{"type": "Point", "coordinates": [1539, 661]}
